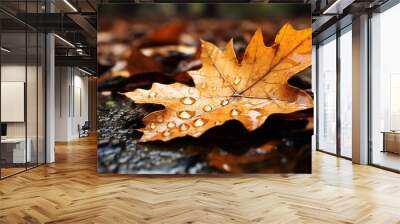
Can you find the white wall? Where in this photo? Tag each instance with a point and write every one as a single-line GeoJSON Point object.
{"type": "Point", "coordinates": [62, 81]}
{"type": "Point", "coordinates": [71, 94]}
{"type": "Point", "coordinates": [16, 73]}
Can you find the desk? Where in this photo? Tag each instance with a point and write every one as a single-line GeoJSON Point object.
{"type": "Point", "coordinates": [391, 141]}
{"type": "Point", "coordinates": [15, 148]}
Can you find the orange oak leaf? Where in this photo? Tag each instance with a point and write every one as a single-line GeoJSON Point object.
{"type": "Point", "coordinates": [225, 89]}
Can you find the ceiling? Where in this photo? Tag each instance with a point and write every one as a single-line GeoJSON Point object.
{"type": "Point", "coordinates": [76, 20]}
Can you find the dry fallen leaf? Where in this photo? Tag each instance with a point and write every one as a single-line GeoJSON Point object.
{"type": "Point", "coordinates": [225, 89]}
{"type": "Point", "coordinates": [136, 63]}
{"type": "Point", "coordinates": [168, 33]}
{"type": "Point", "coordinates": [232, 163]}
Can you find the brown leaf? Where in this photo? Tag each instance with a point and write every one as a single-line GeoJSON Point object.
{"type": "Point", "coordinates": [136, 63]}
{"type": "Point", "coordinates": [225, 89]}
{"type": "Point", "coordinates": [168, 33]}
{"type": "Point", "coordinates": [232, 163]}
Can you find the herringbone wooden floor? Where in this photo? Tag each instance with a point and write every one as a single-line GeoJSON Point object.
{"type": "Point", "coordinates": [71, 191]}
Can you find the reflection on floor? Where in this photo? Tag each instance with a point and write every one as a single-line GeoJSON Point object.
{"type": "Point", "coordinates": [387, 159]}
{"type": "Point", "coordinates": [10, 171]}
{"type": "Point", "coordinates": [71, 191]}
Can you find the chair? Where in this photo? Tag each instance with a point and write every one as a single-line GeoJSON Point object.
{"type": "Point", "coordinates": [84, 129]}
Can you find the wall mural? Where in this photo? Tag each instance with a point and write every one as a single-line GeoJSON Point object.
{"type": "Point", "coordinates": [204, 88]}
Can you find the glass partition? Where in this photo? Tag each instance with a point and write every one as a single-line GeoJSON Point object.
{"type": "Point", "coordinates": [22, 77]}
{"type": "Point", "coordinates": [327, 95]}
{"type": "Point", "coordinates": [385, 89]}
{"type": "Point", "coordinates": [41, 97]}
{"type": "Point", "coordinates": [32, 97]}
{"type": "Point", "coordinates": [14, 144]}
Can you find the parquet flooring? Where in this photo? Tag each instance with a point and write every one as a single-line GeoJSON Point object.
{"type": "Point", "coordinates": [71, 191]}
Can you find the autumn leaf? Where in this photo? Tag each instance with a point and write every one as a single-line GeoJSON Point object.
{"type": "Point", "coordinates": [226, 89]}
{"type": "Point", "coordinates": [232, 163]}
{"type": "Point", "coordinates": [168, 33]}
{"type": "Point", "coordinates": [136, 63]}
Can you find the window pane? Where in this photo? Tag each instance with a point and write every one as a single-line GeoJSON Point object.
{"type": "Point", "coordinates": [327, 96]}
{"type": "Point", "coordinates": [385, 114]}
{"type": "Point", "coordinates": [346, 94]}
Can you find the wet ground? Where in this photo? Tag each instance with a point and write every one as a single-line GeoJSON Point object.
{"type": "Point", "coordinates": [226, 149]}
{"type": "Point", "coordinates": [119, 151]}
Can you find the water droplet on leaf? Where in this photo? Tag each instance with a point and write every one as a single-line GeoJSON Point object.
{"type": "Point", "coordinates": [237, 80]}
{"type": "Point", "coordinates": [183, 127]}
{"type": "Point", "coordinates": [152, 126]}
{"type": "Point", "coordinates": [224, 102]}
{"type": "Point", "coordinates": [185, 114]}
{"type": "Point", "coordinates": [166, 133]}
{"type": "Point", "coordinates": [199, 122]}
{"type": "Point", "coordinates": [207, 108]}
{"type": "Point", "coordinates": [234, 112]}
{"type": "Point", "coordinates": [170, 124]}
{"type": "Point", "coordinates": [188, 100]}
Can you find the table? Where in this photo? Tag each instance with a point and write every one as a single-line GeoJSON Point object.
{"type": "Point", "coordinates": [391, 141]}
{"type": "Point", "coordinates": [13, 150]}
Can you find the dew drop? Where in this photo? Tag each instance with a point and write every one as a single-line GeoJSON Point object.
{"type": "Point", "coordinates": [160, 119]}
{"type": "Point", "coordinates": [199, 122]}
{"type": "Point", "coordinates": [234, 112]}
{"type": "Point", "coordinates": [218, 123]}
{"type": "Point", "coordinates": [183, 127]}
{"type": "Point", "coordinates": [185, 114]}
{"type": "Point", "coordinates": [152, 126]}
{"type": "Point", "coordinates": [207, 108]}
{"type": "Point", "coordinates": [226, 167]}
{"type": "Point", "coordinates": [191, 91]}
{"type": "Point", "coordinates": [152, 94]}
{"type": "Point", "coordinates": [170, 124]}
{"type": "Point", "coordinates": [188, 100]}
{"type": "Point", "coordinates": [203, 85]}
{"type": "Point", "coordinates": [237, 80]}
{"type": "Point", "coordinates": [224, 102]}
{"type": "Point", "coordinates": [166, 133]}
